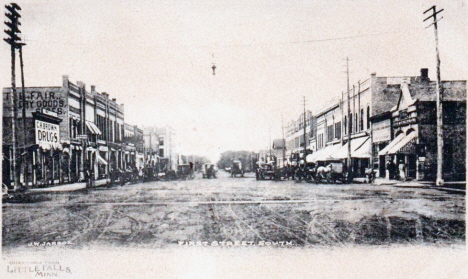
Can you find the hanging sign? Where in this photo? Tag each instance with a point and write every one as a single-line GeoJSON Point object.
{"type": "Point", "coordinates": [47, 134]}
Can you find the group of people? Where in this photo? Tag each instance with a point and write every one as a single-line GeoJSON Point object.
{"type": "Point", "coordinates": [392, 172]}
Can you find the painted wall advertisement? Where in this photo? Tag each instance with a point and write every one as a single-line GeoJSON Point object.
{"type": "Point", "coordinates": [37, 99]}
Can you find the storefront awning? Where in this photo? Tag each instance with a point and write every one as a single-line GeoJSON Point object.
{"type": "Point", "coordinates": [406, 145]}
{"type": "Point", "coordinates": [360, 148]}
{"type": "Point", "coordinates": [395, 141]}
{"type": "Point", "coordinates": [101, 160]}
{"type": "Point", "coordinates": [93, 128]}
{"type": "Point", "coordinates": [50, 145]}
{"type": "Point", "coordinates": [66, 150]}
{"type": "Point", "coordinates": [323, 154]}
{"type": "Point", "coordinates": [103, 148]}
{"type": "Point", "coordinates": [363, 151]}
{"type": "Point", "coordinates": [311, 157]}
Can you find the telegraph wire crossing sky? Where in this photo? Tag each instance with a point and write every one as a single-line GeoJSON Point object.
{"type": "Point", "coordinates": [156, 57]}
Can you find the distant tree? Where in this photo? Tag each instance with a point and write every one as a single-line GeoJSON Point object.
{"type": "Point", "coordinates": [228, 157]}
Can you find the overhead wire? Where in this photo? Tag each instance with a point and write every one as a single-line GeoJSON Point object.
{"type": "Point", "coordinates": [227, 45]}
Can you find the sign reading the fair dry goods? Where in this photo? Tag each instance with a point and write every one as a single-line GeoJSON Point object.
{"type": "Point", "coordinates": [36, 99]}
{"type": "Point", "coordinates": [47, 134]}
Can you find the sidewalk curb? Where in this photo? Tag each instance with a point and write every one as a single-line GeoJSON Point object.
{"type": "Point", "coordinates": [69, 187]}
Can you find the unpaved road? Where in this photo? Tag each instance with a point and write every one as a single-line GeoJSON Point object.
{"type": "Point", "coordinates": [236, 211]}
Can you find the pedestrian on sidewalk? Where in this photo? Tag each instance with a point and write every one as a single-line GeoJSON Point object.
{"type": "Point", "coordinates": [402, 169]}
{"type": "Point", "coordinates": [390, 169]}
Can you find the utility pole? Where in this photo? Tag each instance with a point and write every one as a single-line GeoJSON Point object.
{"type": "Point", "coordinates": [440, 135]}
{"type": "Point", "coordinates": [284, 140]}
{"type": "Point", "coordinates": [270, 141]}
{"type": "Point", "coordinates": [23, 111]}
{"type": "Point", "coordinates": [13, 41]}
{"type": "Point", "coordinates": [109, 152]}
{"type": "Point", "coordinates": [304, 124]}
{"type": "Point", "coordinates": [349, 122]}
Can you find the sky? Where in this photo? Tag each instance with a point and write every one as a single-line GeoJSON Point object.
{"type": "Point", "coordinates": [156, 57]}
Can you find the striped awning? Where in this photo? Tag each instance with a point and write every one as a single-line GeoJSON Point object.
{"type": "Point", "coordinates": [324, 154]}
{"type": "Point", "coordinates": [406, 146]}
{"type": "Point", "coordinates": [360, 148]}
{"type": "Point", "coordinates": [394, 142]}
{"type": "Point", "coordinates": [93, 128]}
{"type": "Point", "coordinates": [101, 160]}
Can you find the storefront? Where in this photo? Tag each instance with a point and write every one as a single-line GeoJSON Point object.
{"type": "Point", "coordinates": [402, 150]}
{"type": "Point", "coordinates": [360, 153]}
{"type": "Point", "coordinates": [381, 138]}
{"type": "Point", "coordinates": [48, 160]}
{"type": "Point", "coordinates": [102, 156]}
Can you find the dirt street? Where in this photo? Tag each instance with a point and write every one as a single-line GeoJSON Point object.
{"type": "Point", "coordinates": [236, 211]}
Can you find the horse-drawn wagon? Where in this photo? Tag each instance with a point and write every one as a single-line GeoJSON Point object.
{"type": "Point", "coordinates": [185, 171]}
{"type": "Point", "coordinates": [236, 168]}
{"type": "Point", "coordinates": [209, 171]}
{"type": "Point", "coordinates": [266, 171]}
{"type": "Point", "coordinates": [331, 172]}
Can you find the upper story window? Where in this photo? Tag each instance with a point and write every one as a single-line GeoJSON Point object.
{"type": "Point", "coordinates": [368, 117]}
{"type": "Point", "coordinates": [345, 126]}
{"type": "Point", "coordinates": [361, 122]}
{"type": "Point", "coordinates": [338, 130]}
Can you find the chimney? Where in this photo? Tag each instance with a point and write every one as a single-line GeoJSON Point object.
{"type": "Point", "coordinates": [114, 99]}
{"type": "Point", "coordinates": [105, 94]}
{"type": "Point", "coordinates": [424, 74]}
{"type": "Point", "coordinates": [65, 80]}
{"type": "Point", "coordinates": [93, 88]}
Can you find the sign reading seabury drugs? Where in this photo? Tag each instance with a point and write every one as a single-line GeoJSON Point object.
{"type": "Point", "coordinates": [47, 134]}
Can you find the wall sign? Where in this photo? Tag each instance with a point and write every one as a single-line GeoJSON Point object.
{"type": "Point", "coordinates": [36, 99]}
{"type": "Point", "coordinates": [381, 131]}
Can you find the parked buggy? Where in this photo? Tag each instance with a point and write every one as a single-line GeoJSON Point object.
{"type": "Point", "coordinates": [285, 173]}
{"type": "Point", "coordinates": [266, 171]}
{"type": "Point", "coordinates": [184, 171]}
{"type": "Point", "coordinates": [236, 168]}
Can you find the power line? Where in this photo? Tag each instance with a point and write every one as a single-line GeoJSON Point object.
{"type": "Point", "coordinates": [229, 45]}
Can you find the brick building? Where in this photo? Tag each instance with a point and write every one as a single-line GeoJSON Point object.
{"type": "Point", "coordinates": [89, 130]}
{"type": "Point", "coordinates": [295, 132]}
{"type": "Point", "coordinates": [413, 129]}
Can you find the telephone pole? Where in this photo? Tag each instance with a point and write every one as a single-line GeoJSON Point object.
{"type": "Point", "coordinates": [284, 141]}
{"type": "Point", "coordinates": [440, 135]}
{"type": "Point", "coordinates": [304, 124]}
{"type": "Point", "coordinates": [23, 112]}
{"type": "Point", "coordinates": [349, 124]}
{"type": "Point", "coordinates": [14, 41]}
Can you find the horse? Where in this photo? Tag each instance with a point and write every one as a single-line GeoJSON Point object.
{"type": "Point", "coordinates": [323, 172]}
